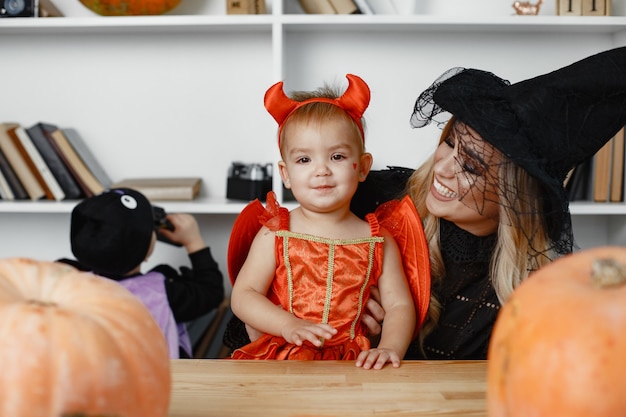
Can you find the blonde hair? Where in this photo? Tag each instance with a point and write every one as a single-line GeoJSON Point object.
{"type": "Point", "coordinates": [522, 243]}
{"type": "Point", "coordinates": [318, 112]}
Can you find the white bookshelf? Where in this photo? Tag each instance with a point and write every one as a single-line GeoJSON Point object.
{"type": "Point", "coordinates": [182, 94]}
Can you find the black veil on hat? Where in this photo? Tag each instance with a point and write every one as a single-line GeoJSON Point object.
{"type": "Point", "coordinates": [547, 124]}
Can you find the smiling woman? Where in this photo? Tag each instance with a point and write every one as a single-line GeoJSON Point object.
{"type": "Point", "coordinates": [492, 199]}
{"type": "Point", "coordinates": [130, 7]}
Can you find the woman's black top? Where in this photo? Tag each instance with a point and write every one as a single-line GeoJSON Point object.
{"type": "Point", "coordinates": [469, 302]}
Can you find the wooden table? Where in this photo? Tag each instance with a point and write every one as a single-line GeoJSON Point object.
{"type": "Point", "coordinates": [224, 388]}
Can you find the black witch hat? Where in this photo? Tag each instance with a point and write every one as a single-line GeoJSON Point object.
{"type": "Point", "coordinates": [547, 125]}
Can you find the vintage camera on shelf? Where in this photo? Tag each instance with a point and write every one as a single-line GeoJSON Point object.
{"type": "Point", "coordinates": [161, 222]}
{"type": "Point", "coordinates": [19, 8]}
{"type": "Point", "coordinates": [248, 181]}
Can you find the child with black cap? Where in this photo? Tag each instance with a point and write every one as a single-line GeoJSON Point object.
{"type": "Point", "coordinates": [113, 233]}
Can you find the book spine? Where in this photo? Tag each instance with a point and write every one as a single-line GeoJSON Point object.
{"type": "Point", "coordinates": [181, 188]}
{"type": "Point", "coordinates": [17, 189]}
{"type": "Point", "coordinates": [19, 162]}
{"type": "Point", "coordinates": [317, 6]}
{"type": "Point", "coordinates": [5, 189]}
{"type": "Point", "coordinates": [166, 193]}
{"type": "Point", "coordinates": [70, 168]}
{"type": "Point", "coordinates": [88, 183]}
{"type": "Point", "coordinates": [84, 152]}
{"type": "Point", "coordinates": [37, 165]}
{"type": "Point", "coordinates": [602, 173]}
{"type": "Point", "coordinates": [345, 6]}
{"type": "Point", "coordinates": [617, 168]}
{"type": "Point", "coordinates": [596, 7]}
{"type": "Point", "coordinates": [569, 8]}
{"type": "Point", "coordinates": [39, 135]}
{"type": "Point", "coordinates": [245, 7]}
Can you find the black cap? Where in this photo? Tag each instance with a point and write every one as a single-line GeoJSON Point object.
{"type": "Point", "coordinates": [111, 232]}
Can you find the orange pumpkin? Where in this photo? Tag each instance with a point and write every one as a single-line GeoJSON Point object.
{"type": "Point", "coordinates": [130, 7]}
{"type": "Point", "coordinates": [72, 343]}
{"type": "Point", "coordinates": [559, 344]}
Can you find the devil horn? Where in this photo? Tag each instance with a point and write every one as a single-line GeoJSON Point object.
{"type": "Point", "coordinates": [356, 98]}
{"type": "Point", "coordinates": [278, 104]}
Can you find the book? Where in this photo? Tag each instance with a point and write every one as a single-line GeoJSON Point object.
{"type": "Point", "coordinates": [83, 176]}
{"type": "Point", "coordinates": [569, 8]}
{"type": "Point", "coordinates": [170, 188]}
{"type": "Point", "coordinates": [601, 173]}
{"type": "Point", "coordinates": [17, 161]}
{"type": "Point", "coordinates": [88, 158]}
{"type": "Point", "coordinates": [364, 7]}
{"type": "Point", "coordinates": [36, 163]}
{"type": "Point", "coordinates": [617, 168]}
{"type": "Point", "coordinates": [596, 7]}
{"type": "Point", "coordinates": [16, 190]}
{"type": "Point", "coordinates": [40, 135]}
{"type": "Point", "coordinates": [245, 7]}
{"type": "Point", "coordinates": [5, 189]}
{"type": "Point", "coordinates": [345, 7]}
{"type": "Point", "coordinates": [12, 186]}
{"type": "Point", "coordinates": [317, 6]}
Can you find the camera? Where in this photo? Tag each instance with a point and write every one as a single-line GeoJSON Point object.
{"type": "Point", "coordinates": [18, 8]}
{"type": "Point", "coordinates": [248, 181]}
{"type": "Point", "coordinates": [160, 222]}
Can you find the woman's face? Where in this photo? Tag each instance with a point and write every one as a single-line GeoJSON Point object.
{"type": "Point", "coordinates": [465, 181]}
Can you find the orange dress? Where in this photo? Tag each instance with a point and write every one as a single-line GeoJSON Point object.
{"type": "Point", "coordinates": [328, 281]}
{"type": "Point", "coordinates": [324, 281]}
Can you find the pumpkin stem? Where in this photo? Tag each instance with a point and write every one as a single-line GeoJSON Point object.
{"type": "Point", "coordinates": [608, 273]}
{"type": "Point", "coordinates": [42, 303]}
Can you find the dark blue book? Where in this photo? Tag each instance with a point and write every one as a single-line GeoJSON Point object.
{"type": "Point", "coordinates": [39, 134]}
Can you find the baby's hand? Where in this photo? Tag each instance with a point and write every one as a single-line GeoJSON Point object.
{"type": "Point", "coordinates": [298, 331]}
{"type": "Point", "coordinates": [377, 358]}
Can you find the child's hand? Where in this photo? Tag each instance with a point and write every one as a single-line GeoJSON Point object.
{"type": "Point", "coordinates": [298, 331]}
{"type": "Point", "coordinates": [377, 358]}
{"type": "Point", "coordinates": [186, 231]}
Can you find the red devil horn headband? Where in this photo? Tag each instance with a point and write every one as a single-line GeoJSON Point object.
{"type": "Point", "coordinates": [354, 101]}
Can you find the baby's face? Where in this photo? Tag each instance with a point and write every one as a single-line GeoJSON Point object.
{"type": "Point", "coordinates": [323, 162]}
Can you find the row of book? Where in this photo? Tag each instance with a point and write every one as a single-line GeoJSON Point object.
{"type": "Point", "coordinates": [349, 6]}
{"type": "Point", "coordinates": [44, 161]}
{"type": "Point", "coordinates": [602, 177]}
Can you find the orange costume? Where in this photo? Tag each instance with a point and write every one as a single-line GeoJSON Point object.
{"type": "Point", "coordinates": [328, 280]}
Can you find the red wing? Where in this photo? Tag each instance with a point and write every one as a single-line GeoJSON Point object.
{"type": "Point", "coordinates": [400, 218]}
{"type": "Point", "coordinates": [246, 226]}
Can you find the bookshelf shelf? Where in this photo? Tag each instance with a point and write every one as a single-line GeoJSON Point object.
{"type": "Point", "coordinates": [197, 206]}
{"type": "Point", "coordinates": [304, 22]}
{"type": "Point", "coordinates": [136, 24]}
{"type": "Point", "coordinates": [223, 206]}
{"type": "Point", "coordinates": [181, 95]}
